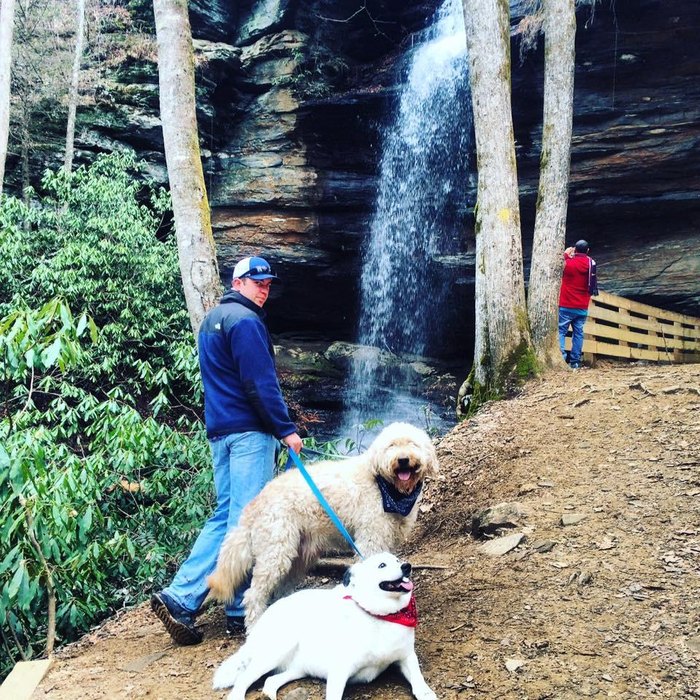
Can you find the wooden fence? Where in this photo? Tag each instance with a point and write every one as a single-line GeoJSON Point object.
{"type": "Point", "coordinates": [619, 327]}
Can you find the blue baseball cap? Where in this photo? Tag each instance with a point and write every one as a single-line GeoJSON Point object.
{"type": "Point", "coordinates": [254, 268]}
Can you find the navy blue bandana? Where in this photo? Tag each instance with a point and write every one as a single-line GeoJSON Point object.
{"type": "Point", "coordinates": [396, 502]}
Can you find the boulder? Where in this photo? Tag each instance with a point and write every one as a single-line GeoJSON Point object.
{"type": "Point", "coordinates": [502, 516]}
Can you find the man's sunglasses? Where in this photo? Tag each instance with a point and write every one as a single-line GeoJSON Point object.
{"type": "Point", "coordinates": [258, 270]}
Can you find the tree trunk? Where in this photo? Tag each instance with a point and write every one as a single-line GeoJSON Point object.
{"type": "Point", "coordinates": [7, 23]}
{"type": "Point", "coordinates": [500, 287]}
{"type": "Point", "coordinates": [24, 146]}
{"type": "Point", "coordinates": [552, 200]}
{"type": "Point", "coordinates": [478, 379]}
{"type": "Point", "coordinates": [74, 84]}
{"type": "Point", "coordinates": [200, 277]}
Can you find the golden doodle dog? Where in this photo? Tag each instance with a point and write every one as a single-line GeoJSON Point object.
{"type": "Point", "coordinates": [284, 530]}
{"type": "Point", "coordinates": [347, 634]}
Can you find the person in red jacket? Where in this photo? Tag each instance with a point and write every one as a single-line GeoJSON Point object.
{"type": "Point", "coordinates": [578, 284]}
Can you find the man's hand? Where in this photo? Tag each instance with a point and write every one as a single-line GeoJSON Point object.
{"type": "Point", "coordinates": [294, 442]}
{"type": "Point", "coordinates": [570, 252]}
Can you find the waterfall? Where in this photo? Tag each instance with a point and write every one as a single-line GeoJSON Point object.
{"type": "Point", "coordinates": [420, 205]}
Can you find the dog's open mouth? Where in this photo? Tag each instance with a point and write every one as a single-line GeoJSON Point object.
{"type": "Point", "coordinates": [404, 470]}
{"type": "Point", "coordinates": [404, 473]}
{"type": "Point", "coordinates": [401, 585]}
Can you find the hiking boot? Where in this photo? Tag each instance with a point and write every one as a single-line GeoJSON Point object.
{"type": "Point", "coordinates": [178, 621]}
{"type": "Point", "coordinates": [575, 365]}
{"type": "Point", "coordinates": [234, 626]}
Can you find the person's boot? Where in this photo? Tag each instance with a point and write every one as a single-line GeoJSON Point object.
{"type": "Point", "coordinates": [178, 621]}
{"type": "Point", "coordinates": [234, 626]}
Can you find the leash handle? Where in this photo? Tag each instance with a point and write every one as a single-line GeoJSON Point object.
{"type": "Point", "coordinates": [322, 500]}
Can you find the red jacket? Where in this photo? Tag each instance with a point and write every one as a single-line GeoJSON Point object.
{"type": "Point", "coordinates": [574, 292]}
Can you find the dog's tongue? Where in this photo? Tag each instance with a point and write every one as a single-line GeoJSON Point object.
{"type": "Point", "coordinates": [407, 585]}
{"type": "Point", "coordinates": [404, 474]}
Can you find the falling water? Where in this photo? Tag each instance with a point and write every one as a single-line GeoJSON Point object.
{"type": "Point", "coordinates": [420, 204]}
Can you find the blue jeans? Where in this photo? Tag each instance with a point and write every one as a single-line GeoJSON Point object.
{"type": "Point", "coordinates": [243, 464]}
{"type": "Point", "coordinates": [576, 318]}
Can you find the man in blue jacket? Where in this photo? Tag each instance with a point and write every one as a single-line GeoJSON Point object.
{"type": "Point", "coordinates": [246, 416]}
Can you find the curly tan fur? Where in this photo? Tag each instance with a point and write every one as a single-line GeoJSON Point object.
{"type": "Point", "coordinates": [284, 529]}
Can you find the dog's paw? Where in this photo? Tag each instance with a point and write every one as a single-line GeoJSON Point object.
{"type": "Point", "coordinates": [223, 677]}
{"type": "Point", "coordinates": [270, 689]}
{"type": "Point", "coordinates": [236, 695]}
{"type": "Point", "coordinates": [425, 694]}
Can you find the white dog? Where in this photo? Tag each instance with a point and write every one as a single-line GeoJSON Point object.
{"type": "Point", "coordinates": [284, 529]}
{"type": "Point", "coordinates": [350, 633]}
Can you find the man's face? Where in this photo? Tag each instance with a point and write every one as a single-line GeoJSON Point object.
{"type": "Point", "coordinates": [256, 291]}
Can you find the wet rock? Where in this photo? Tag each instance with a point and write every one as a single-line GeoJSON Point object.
{"type": "Point", "coordinates": [224, 57]}
{"type": "Point", "coordinates": [264, 16]}
{"type": "Point", "coordinates": [389, 367]}
{"type": "Point", "coordinates": [212, 19]}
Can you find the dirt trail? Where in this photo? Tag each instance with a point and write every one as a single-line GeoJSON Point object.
{"type": "Point", "coordinates": [607, 607]}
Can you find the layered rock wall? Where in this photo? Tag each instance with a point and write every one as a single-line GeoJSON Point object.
{"type": "Point", "coordinates": [635, 163]}
{"type": "Point", "coordinates": [292, 97]}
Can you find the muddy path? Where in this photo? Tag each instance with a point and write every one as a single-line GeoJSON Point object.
{"type": "Point", "coordinates": [600, 599]}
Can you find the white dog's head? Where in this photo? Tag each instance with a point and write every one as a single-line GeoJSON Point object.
{"type": "Point", "coordinates": [403, 455]}
{"type": "Point", "coordinates": [380, 584]}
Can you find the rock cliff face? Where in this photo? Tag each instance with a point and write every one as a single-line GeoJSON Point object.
{"type": "Point", "coordinates": [635, 171]}
{"type": "Point", "coordinates": [292, 96]}
{"type": "Point", "coordinates": [294, 170]}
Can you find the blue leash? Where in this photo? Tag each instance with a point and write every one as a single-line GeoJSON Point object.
{"type": "Point", "coordinates": [321, 499]}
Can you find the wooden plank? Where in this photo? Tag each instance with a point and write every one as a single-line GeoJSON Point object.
{"type": "Point", "coordinates": [602, 349]}
{"type": "Point", "coordinates": [664, 343]}
{"type": "Point", "coordinates": [626, 352]}
{"type": "Point", "coordinates": [23, 679]}
{"type": "Point", "coordinates": [622, 318]}
{"type": "Point", "coordinates": [640, 332]}
{"type": "Point", "coordinates": [624, 303]}
{"type": "Point", "coordinates": [646, 323]}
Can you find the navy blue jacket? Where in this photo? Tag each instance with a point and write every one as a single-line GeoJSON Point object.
{"type": "Point", "coordinates": [236, 359]}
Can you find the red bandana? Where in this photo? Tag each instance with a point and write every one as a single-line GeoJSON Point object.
{"type": "Point", "coordinates": [408, 616]}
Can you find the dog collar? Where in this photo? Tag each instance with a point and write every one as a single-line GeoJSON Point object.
{"type": "Point", "coordinates": [408, 616]}
{"type": "Point", "coordinates": [396, 502]}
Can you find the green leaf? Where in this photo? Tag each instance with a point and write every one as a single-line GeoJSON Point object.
{"type": "Point", "coordinates": [86, 520]}
{"type": "Point", "coordinates": [9, 559]}
{"type": "Point", "coordinates": [52, 353]}
{"type": "Point", "coordinates": [4, 458]}
{"type": "Point", "coordinates": [16, 581]}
